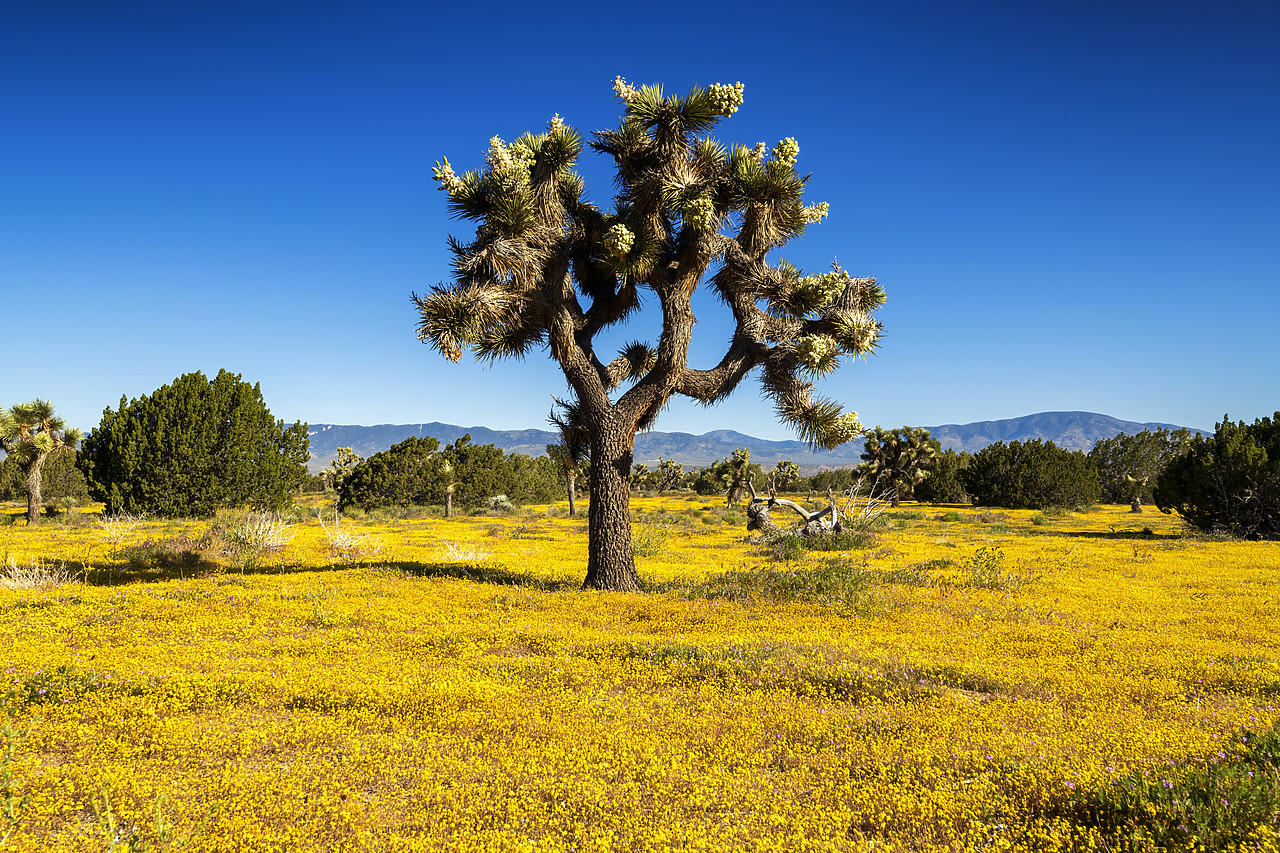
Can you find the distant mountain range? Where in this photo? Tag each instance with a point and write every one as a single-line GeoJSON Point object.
{"type": "Point", "coordinates": [1072, 430]}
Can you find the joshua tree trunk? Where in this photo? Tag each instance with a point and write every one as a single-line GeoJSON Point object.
{"type": "Point", "coordinates": [448, 501]}
{"type": "Point", "coordinates": [33, 488]}
{"type": "Point", "coordinates": [572, 478]}
{"type": "Point", "coordinates": [611, 562]}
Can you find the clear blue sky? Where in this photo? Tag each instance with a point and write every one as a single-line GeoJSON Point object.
{"type": "Point", "coordinates": [1070, 205]}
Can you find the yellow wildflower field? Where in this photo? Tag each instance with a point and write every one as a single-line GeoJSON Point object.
{"type": "Point", "coordinates": [444, 684]}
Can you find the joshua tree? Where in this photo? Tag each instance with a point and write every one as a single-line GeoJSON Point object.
{"type": "Point", "coordinates": [899, 456]}
{"type": "Point", "coordinates": [670, 474]}
{"type": "Point", "coordinates": [783, 474]}
{"type": "Point", "coordinates": [340, 468]}
{"type": "Point", "coordinates": [641, 476]}
{"type": "Point", "coordinates": [548, 269]}
{"type": "Point", "coordinates": [574, 448]}
{"type": "Point", "coordinates": [29, 432]}
{"type": "Point", "coordinates": [739, 474]}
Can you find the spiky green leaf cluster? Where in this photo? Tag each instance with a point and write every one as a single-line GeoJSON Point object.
{"type": "Point", "coordinates": [506, 193]}
{"type": "Point", "coordinates": [30, 431]}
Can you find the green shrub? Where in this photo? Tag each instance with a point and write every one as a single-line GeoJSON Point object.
{"type": "Point", "coordinates": [985, 570]}
{"type": "Point", "coordinates": [219, 447]}
{"type": "Point", "coordinates": [1228, 481]}
{"type": "Point", "coordinates": [941, 484]}
{"type": "Point", "coordinates": [786, 548]}
{"type": "Point", "coordinates": [908, 515]}
{"type": "Point", "coordinates": [175, 552]}
{"type": "Point", "coordinates": [417, 472]}
{"type": "Point", "coordinates": [648, 540]}
{"type": "Point", "coordinates": [846, 540]}
{"type": "Point", "coordinates": [1129, 465]}
{"type": "Point", "coordinates": [1030, 475]}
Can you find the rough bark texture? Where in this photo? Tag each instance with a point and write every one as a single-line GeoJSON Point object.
{"type": "Point", "coordinates": [33, 488]}
{"type": "Point", "coordinates": [611, 562]}
{"type": "Point", "coordinates": [572, 477]}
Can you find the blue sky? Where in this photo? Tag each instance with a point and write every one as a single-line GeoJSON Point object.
{"type": "Point", "coordinates": [1070, 206]}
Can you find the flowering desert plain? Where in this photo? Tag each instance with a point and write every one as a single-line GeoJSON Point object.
{"type": "Point", "coordinates": [956, 679]}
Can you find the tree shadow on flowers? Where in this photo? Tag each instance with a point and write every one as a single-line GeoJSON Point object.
{"type": "Point", "coordinates": [484, 573]}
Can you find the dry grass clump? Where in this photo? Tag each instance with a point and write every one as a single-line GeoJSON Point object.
{"type": "Point", "coordinates": [464, 552]}
{"type": "Point", "coordinates": [347, 546]}
{"type": "Point", "coordinates": [37, 575]}
{"type": "Point", "coordinates": [115, 529]}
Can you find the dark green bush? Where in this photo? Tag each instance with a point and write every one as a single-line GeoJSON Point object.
{"type": "Point", "coordinates": [1030, 475]}
{"type": "Point", "coordinates": [1228, 481]}
{"type": "Point", "coordinates": [1129, 465]}
{"type": "Point", "coordinates": [941, 484]}
{"type": "Point", "coordinates": [416, 472]}
{"type": "Point", "coordinates": [193, 447]}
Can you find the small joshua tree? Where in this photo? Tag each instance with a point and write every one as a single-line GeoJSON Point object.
{"type": "Point", "coordinates": [783, 474]}
{"type": "Point", "coordinates": [574, 449]}
{"type": "Point", "coordinates": [897, 459]}
{"type": "Point", "coordinates": [549, 269]}
{"type": "Point", "coordinates": [29, 432]}
{"type": "Point", "coordinates": [739, 474]}
{"type": "Point", "coordinates": [340, 468]}
{"type": "Point", "coordinates": [670, 474]}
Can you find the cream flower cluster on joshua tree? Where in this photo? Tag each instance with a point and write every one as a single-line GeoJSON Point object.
{"type": "Point", "coordinates": [514, 158]}
{"type": "Point", "coordinates": [817, 354]}
{"type": "Point", "coordinates": [847, 427]}
{"type": "Point", "coordinates": [817, 212]}
{"type": "Point", "coordinates": [624, 91]}
{"type": "Point", "coordinates": [726, 99]}
{"type": "Point", "coordinates": [449, 182]}
{"type": "Point", "coordinates": [699, 213]}
{"type": "Point", "coordinates": [510, 163]}
{"type": "Point", "coordinates": [786, 151]}
{"type": "Point", "coordinates": [823, 288]}
{"type": "Point", "coordinates": [618, 240]}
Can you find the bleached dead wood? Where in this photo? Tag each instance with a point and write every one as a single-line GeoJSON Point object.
{"type": "Point", "coordinates": [817, 523]}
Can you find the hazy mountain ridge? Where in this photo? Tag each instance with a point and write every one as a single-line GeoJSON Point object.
{"type": "Point", "coordinates": [1072, 430]}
